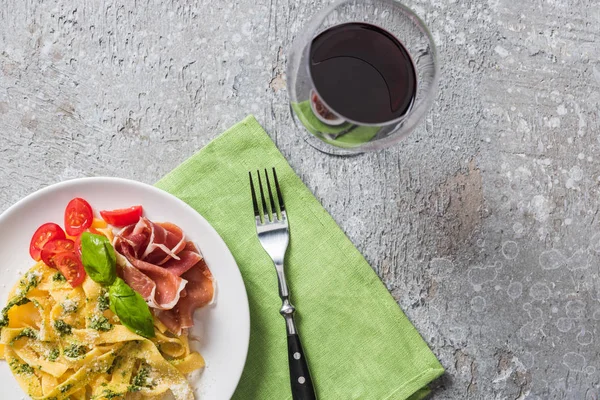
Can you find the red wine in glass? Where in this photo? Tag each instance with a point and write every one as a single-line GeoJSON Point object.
{"type": "Point", "coordinates": [363, 73]}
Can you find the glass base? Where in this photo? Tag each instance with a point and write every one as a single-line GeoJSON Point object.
{"type": "Point", "coordinates": [317, 143]}
{"type": "Point", "coordinates": [323, 147]}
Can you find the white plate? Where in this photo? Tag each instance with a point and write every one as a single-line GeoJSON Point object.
{"type": "Point", "coordinates": [224, 328]}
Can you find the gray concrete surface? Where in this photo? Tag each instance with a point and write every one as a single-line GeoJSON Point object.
{"type": "Point", "coordinates": [483, 224]}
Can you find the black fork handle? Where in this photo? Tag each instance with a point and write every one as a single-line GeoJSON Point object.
{"type": "Point", "coordinates": [300, 380]}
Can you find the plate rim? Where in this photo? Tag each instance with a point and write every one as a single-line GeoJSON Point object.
{"type": "Point", "coordinates": [74, 181]}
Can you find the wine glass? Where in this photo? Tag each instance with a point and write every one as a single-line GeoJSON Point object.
{"type": "Point", "coordinates": [361, 76]}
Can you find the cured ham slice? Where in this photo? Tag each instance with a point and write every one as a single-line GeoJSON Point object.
{"type": "Point", "coordinates": [187, 259]}
{"type": "Point", "coordinates": [199, 292]}
{"type": "Point", "coordinates": [168, 286]}
{"type": "Point", "coordinates": [165, 288]}
{"type": "Point", "coordinates": [153, 242]}
{"type": "Point", "coordinates": [135, 278]}
{"type": "Point", "coordinates": [136, 237]}
{"type": "Point", "coordinates": [166, 240]}
{"type": "Point", "coordinates": [169, 272]}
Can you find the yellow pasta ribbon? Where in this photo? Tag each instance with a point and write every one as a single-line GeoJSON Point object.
{"type": "Point", "coordinates": [61, 343]}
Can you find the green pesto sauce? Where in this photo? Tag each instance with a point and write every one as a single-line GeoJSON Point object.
{"type": "Point", "coordinates": [62, 327]}
{"type": "Point", "coordinates": [53, 356]}
{"type": "Point", "coordinates": [75, 351]}
{"type": "Point", "coordinates": [140, 380]}
{"type": "Point", "coordinates": [20, 369]}
{"type": "Point", "coordinates": [100, 323]}
{"type": "Point", "coordinates": [27, 332]}
{"type": "Point", "coordinates": [103, 302]}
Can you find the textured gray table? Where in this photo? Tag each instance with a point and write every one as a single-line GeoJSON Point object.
{"type": "Point", "coordinates": [483, 224]}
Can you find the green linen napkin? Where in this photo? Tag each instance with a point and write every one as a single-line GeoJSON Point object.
{"type": "Point", "coordinates": [358, 342]}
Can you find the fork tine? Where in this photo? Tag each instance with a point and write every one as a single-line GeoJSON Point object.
{"type": "Point", "coordinates": [281, 205]}
{"type": "Point", "coordinates": [262, 197]}
{"type": "Point", "coordinates": [254, 203]}
{"type": "Point", "coordinates": [273, 209]}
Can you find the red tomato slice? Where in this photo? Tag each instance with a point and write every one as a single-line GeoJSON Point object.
{"type": "Point", "coordinates": [69, 265]}
{"type": "Point", "coordinates": [78, 216]}
{"type": "Point", "coordinates": [123, 216]}
{"type": "Point", "coordinates": [54, 247]}
{"type": "Point", "coordinates": [45, 233]}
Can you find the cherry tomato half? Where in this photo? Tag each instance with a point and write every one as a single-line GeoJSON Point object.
{"type": "Point", "coordinates": [123, 216]}
{"type": "Point", "coordinates": [78, 216]}
{"type": "Point", "coordinates": [69, 265]}
{"type": "Point", "coordinates": [45, 233]}
{"type": "Point", "coordinates": [54, 247]}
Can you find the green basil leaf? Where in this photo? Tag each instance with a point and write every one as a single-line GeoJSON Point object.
{"type": "Point", "coordinates": [131, 308]}
{"type": "Point", "coordinates": [98, 258]}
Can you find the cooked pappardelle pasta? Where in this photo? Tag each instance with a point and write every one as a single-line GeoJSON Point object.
{"type": "Point", "coordinates": [65, 343]}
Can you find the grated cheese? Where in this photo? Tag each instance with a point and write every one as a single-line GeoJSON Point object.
{"type": "Point", "coordinates": [69, 306]}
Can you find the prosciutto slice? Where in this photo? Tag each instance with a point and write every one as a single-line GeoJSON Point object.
{"type": "Point", "coordinates": [133, 237]}
{"type": "Point", "coordinates": [166, 240]}
{"type": "Point", "coordinates": [153, 242]}
{"type": "Point", "coordinates": [199, 292]}
{"type": "Point", "coordinates": [135, 278]}
{"type": "Point", "coordinates": [167, 286]}
{"type": "Point", "coordinates": [168, 271]}
{"type": "Point", "coordinates": [187, 259]}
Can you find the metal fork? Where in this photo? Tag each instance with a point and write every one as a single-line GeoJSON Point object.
{"type": "Point", "coordinates": [273, 233]}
